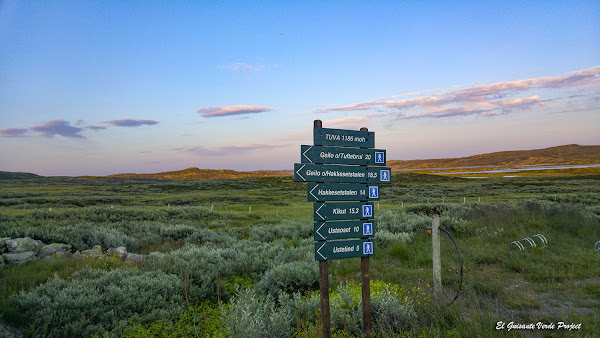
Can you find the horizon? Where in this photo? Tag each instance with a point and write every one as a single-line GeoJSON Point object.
{"type": "Point", "coordinates": [106, 88]}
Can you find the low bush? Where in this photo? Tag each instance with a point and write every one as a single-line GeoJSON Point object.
{"type": "Point", "coordinates": [301, 276]}
{"type": "Point", "coordinates": [94, 301]}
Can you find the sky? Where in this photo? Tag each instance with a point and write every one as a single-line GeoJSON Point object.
{"type": "Point", "coordinates": [107, 87]}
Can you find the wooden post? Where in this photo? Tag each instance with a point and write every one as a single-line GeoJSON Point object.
{"type": "Point", "coordinates": [277, 214]}
{"type": "Point", "coordinates": [464, 200]}
{"type": "Point", "coordinates": [250, 209]}
{"type": "Point", "coordinates": [402, 203]}
{"type": "Point", "coordinates": [324, 283]}
{"type": "Point", "coordinates": [211, 206]}
{"type": "Point", "coordinates": [437, 268]}
{"type": "Point", "coordinates": [324, 289]}
{"type": "Point", "coordinates": [366, 296]}
{"type": "Point", "coordinates": [366, 288]}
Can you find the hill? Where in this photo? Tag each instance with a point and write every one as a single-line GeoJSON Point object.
{"type": "Point", "coordinates": [567, 154]}
{"type": "Point", "coordinates": [190, 174]}
{"type": "Point", "coordinates": [7, 175]}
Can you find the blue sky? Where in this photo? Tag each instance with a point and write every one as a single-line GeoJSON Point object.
{"type": "Point", "coordinates": [105, 87]}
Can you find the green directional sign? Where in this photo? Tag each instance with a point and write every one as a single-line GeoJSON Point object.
{"type": "Point", "coordinates": [327, 211]}
{"type": "Point", "coordinates": [340, 173]}
{"type": "Point", "coordinates": [341, 155]}
{"type": "Point", "coordinates": [325, 231]}
{"type": "Point", "coordinates": [318, 192]}
{"type": "Point", "coordinates": [349, 248]}
{"type": "Point", "coordinates": [344, 138]}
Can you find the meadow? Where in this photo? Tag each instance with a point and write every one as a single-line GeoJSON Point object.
{"type": "Point", "coordinates": [239, 258]}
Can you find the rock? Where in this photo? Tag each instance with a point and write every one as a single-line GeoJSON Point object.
{"type": "Point", "coordinates": [19, 258]}
{"type": "Point", "coordinates": [38, 246]}
{"type": "Point", "coordinates": [77, 255]}
{"type": "Point", "coordinates": [156, 254]}
{"type": "Point", "coordinates": [135, 258]}
{"type": "Point", "coordinates": [54, 249]}
{"type": "Point", "coordinates": [3, 248]}
{"type": "Point", "coordinates": [120, 252]}
{"type": "Point", "coordinates": [19, 245]}
{"type": "Point", "coordinates": [96, 251]}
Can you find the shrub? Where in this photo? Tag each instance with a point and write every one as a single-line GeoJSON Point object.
{"type": "Point", "coordinates": [98, 301]}
{"type": "Point", "coordinates": [301, 276]}
{"type": "Point", "coordinates": [251, 315]}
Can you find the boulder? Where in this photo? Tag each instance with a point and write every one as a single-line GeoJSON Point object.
{"type": "Point", "coordinates": [3, 248]}
{"type": "Point", "coordinates": [19, 245]}
{"type": "Point", "coordinates": [135, 258]}
{"type": "Point", "coordinates": [19, 257]}
{"type": "Point", "coordinates": [38, 246]}
{"type": "Point", "coordinates": [120, 252]}
{"type": "Point", "coordinates": [156, 254]}
{"type": "Point", "coordinates": [96, 251]}
{"type": "Point", "coordinates": [54, 250]}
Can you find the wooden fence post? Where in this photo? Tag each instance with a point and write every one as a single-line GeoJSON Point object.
{"type": "Point", "coordinates": [437, 268]}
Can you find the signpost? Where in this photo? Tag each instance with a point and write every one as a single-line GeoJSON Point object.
{"type": "Point", "coordinates": [311, 172]}
{"type": "Point", "coordinates": [318, 192]}
{"type": "Point", "coordinates": [349, 248]}
{"type": "Point", "coordinates": [327, 211]}
{"type": "Point", "coordinates": [344, 229]}
{"type": "Point", "coordinates": [344, 173]}
{"type": "Point", "coordinates": [342, 155]}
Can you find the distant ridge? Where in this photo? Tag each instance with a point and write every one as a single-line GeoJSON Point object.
{"type": "Point", "coordinates": [191, 174]}
{"type": "Point", "coordinates": [7, 175]}
{"type": "Point", "coordinates": [567, 154]}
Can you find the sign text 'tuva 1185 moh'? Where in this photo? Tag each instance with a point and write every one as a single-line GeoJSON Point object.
{"type": "Point", "coordinates": [343, 138]}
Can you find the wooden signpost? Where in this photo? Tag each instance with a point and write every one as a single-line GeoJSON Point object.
{"type": "Point", "coordinates": [343, 165]}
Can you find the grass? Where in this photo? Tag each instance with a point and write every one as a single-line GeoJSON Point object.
{"type": "Point", "coordinates": [556, 283]}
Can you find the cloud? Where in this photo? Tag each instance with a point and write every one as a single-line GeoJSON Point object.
{"type": "Point", "coordinates": [354, 122]}
{"type": "Point", "coordinates": [241, 67]}
{"type": "Point", "coordinates": [65, 129]}
{"type": "Point", "coordinates": [130, 122]}
{"type": "Point", "coordinates": [13, 132]}
{"type": "Point", "coordinates": [57, 127]}
{"type": "Point", "coordinates": [228, 150]}
{"type": "Point", "coordinates": [481, 99]}
{"type": "Point", "coordinates": [232, 110]}
{"type": "Point", "coordinates": [94, 128]}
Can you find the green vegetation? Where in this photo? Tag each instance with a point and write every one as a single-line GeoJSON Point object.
{"type": "Point", "coordinates": [229, 269]}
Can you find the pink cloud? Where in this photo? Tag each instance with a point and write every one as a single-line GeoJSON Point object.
{"type": "Point", "coordinates": [232, 110]}
{"type": "Point", "coordinates": [228, 150]}
{"type": "Point", "coordinates": [484, 99]}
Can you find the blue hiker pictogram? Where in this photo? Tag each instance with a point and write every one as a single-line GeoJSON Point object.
{"type": "Point", "coordinates": [367, 229]}
{"type": "Point", "coordinates": [385, 175]}
{"type": "Point", "coordinates": [374, 192]}
{"type": "Point", "coordinates": [367, 210]}
{"type": "Point", "coordinates": [367, 248]}
{"type": "Point", "coordinates": [379, 158]}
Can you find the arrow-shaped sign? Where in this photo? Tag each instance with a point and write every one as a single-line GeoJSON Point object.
{"type": "Point", "coordinates": [325, 231]}
{"type": "Point", "coordinates": [342, 155]}
{"type": "Point", "coordinates": [342, 211]}
{"type": "Point", "coordinates": [343, 249]}
{"type": "Point", "coordinates": [318, 192]}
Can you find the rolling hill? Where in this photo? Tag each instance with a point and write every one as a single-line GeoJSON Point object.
{"type": "Point", "coordinates": [573, 154]}
{"type": "Point", "coordinates": [567, 154]}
